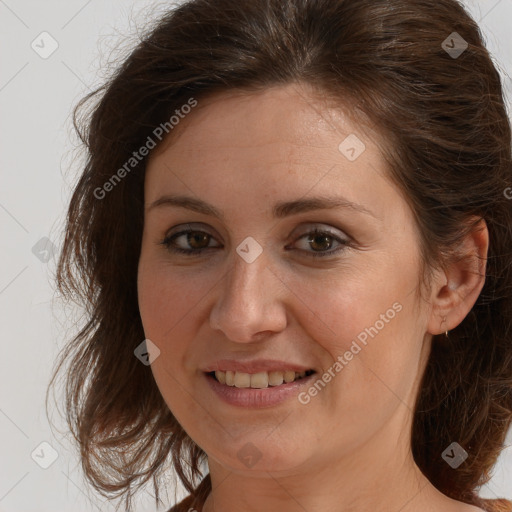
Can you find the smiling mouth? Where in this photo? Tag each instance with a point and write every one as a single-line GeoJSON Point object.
{"type": "Point", "coordinates": [258, 380]}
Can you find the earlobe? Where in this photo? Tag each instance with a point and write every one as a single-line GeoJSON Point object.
{"type": "Point", "coordinates": [461, 282]}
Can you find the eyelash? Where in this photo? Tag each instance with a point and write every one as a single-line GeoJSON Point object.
{"type": "Point", "coordinates": [196, 252]}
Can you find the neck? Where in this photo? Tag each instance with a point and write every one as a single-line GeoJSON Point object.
{"type": "Point", "coordinates": [377, 476]}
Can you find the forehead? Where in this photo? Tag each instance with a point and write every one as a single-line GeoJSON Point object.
{"type": "Point", "coordinates": [294, 113]}
{"type": "Point", "coordinates": [284, 141]}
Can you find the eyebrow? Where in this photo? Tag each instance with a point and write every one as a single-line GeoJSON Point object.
{"type": "Point", "coordinates": [280, 210]}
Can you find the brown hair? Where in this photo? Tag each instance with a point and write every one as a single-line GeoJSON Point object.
{"type": "Point", "coordinates": [449, 151]}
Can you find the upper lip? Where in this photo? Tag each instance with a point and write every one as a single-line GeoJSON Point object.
{"type": "Point", "coordinates": [258, 365]}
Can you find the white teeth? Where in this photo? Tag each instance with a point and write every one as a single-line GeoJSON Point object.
{"type": "Point", "coordinates": [258, 380]}
{"type": "Point", "coordinates": [289, 376]}
{"type": "Point", "coordinates": [230, 378]}
{"type": "Point", "coordinates": [242, 380]}
{"type": "Point", "coordinates": [275, 378]}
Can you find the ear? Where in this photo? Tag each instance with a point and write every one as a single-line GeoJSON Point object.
{"type": "Point", "coordinates": [457, 287]}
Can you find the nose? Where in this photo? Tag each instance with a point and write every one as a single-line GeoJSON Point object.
{"type": "Point", "coordinates": [250, 302]}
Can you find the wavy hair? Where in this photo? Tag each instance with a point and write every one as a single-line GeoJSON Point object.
{"type": "Point", "coordinates": [449, 151]}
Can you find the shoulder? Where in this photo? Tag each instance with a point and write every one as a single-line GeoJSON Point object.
{"type": "Point", "coordinates": [194, 501]}
{"type": "Point", "coordinates": [464, 507]}
{"type": "Point", "coordinates": [487, 505]}
{"type": "Point", "coordinates": [186, 505]}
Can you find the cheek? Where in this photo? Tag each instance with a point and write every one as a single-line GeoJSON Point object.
{"type": "Point", "coordinates": [368, 319]}
{"type": "Point", "coordinates": [167, 296]}
{"type": "Point", "coordinates": [374, 345]}
{"type": "Point", "coordinates": [172, 307]}
{"type": "Point", "coordinates": [166, 305]}
{"type": "Point", "coordinates": [349, 305]}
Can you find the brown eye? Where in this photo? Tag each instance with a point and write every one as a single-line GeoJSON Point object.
{"type": "Point", "coordinates": [319, 242]}
{"type": "Point", "coordinates": [192, 242]}
{"type": "Point", "coordinates": [198, 238]}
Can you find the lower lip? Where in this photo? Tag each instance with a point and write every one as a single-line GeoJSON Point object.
{"type": "Point", "coordinates": [257, 398]}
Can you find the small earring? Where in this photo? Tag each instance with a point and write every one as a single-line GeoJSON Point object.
{"type": "Point", "coordinates": [445, 332]}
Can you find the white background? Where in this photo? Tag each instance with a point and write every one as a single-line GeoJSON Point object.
{"type": "Point", "coordinates": [39, 165]}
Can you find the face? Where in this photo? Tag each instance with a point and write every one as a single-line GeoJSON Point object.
{"type": "Point", "coordinates": [302, 256]}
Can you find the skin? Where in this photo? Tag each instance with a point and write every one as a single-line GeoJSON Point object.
{"type": "Point", "coordinates": [349, 448]}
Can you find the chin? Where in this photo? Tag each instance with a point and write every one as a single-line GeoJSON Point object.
{"type": "Point", "coordinates": [258, 455]}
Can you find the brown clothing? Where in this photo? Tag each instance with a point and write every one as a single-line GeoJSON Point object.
{"type": "Point", "coordinates": [194, 502]}
{"type": "Point", "coordinates": [186, 505]}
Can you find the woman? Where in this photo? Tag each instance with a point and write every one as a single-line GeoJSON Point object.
{"type": "Point", "coordinates": [292, 237]}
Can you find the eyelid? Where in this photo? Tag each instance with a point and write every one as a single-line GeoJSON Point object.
{"type": "Point", "coordinates": [296, 233]}
{"type": "Point", "coordinates": [188, 226]}
{"type": "Point", "coordinates": [344, 242]}
{"type": "Point", "coordinates": [184, 229]}
{"type": "Point", "coordinates": [309, 227]}
{"type": "Point", "coordinates": [303, 230]}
